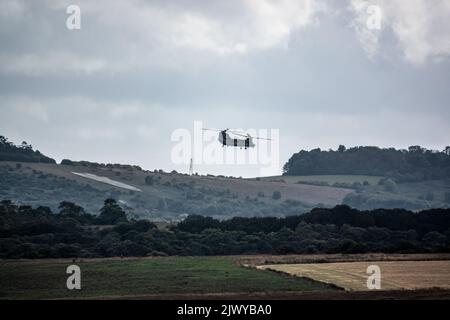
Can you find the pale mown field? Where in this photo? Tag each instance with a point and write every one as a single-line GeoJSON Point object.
{"type": "Point", "coordinates": [352, 276]}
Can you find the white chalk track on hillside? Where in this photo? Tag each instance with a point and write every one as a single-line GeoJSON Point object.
{"type": "Point", "coordinates": [107, 181]}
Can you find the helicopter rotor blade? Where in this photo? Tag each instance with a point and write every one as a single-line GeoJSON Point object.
{"type": "Point", "coordinates": [211, 129]}
{"type": "Point", "coordinates": [246, 135]}
{"type": "Point", "coordinates": [239, 134]}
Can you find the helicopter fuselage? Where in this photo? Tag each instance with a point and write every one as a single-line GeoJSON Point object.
{"type": "Point", "coordinates": [226, 140]}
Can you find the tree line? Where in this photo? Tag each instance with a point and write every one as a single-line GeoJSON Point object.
{"type": "Point", "coordinates": [23, 152]}
{"type": "Point", "coordinates": [420, 222]}
{"type": "Point", "coordinates": [27, 232]}
{"type": "Point", "coordinates": [414, 164]}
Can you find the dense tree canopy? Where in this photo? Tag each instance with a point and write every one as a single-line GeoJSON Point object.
{"type": "Point", "coordinates": [22, 153]}
{"type": "Point", "coordinates": [111, 213]}
{"type": "Point", "coordinates": [414, 164]}
{"type": "Point", "coordinates": [27, 232]}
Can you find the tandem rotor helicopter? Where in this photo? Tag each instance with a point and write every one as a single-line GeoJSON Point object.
{"type": "Point", "coordinates": [226, 140]}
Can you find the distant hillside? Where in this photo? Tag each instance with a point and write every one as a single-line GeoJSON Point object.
{"type": "Point", "coordinates": [414, 164]}
{"type": "Point", "coordinates": [36, 180]}
{"type": "Point", "coordinates": [160, 196]}
{"type": "Point", "coordinates": [373, 192]}
{"type": "Point", "coordinates": [23, 152]}
{"type": "Point", "coordinates": [156, 195]}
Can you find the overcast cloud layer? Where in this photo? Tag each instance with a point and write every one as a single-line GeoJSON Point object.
{"type": "Point", "coordinates": [115, 90]}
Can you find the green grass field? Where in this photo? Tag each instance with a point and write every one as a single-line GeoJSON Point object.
{"type": "Point", "coordinates": [330, 179]}
{"type": "Point", "coordinates": [143, 277]}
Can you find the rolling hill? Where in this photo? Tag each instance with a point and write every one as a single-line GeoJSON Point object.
{"type": "Point", "coordinates": [158, 195]}
{"type": "Point", "coordinates": [29, 178]}
{"type": "Point", "coordinates": [373, 192]}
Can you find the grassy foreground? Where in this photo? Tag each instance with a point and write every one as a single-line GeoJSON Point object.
{"type": "Point", "coordinates": [143, 277]}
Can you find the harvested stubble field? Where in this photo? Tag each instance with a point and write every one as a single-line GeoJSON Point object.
{"type": "Point", "coordinates": [256, 260]}
{"type": "Point", "coordinates": [352, 276]}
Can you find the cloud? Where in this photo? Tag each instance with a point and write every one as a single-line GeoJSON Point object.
{"type": "Point", "coordinates": [50, 63]}
{"type": "Point", "coordinates": [233, 28]}
{"type": "Point", "coordinates": [98, 134]}
{"type": "Point", "coordinates": [12, 8]}
{"type": "Point", "coordinates": [368, 37]}
{"type": "Point", "coordinates": [421, 28]}
{"type": "Point", "coordinates": [120, 35]}
{"type": "Point", "coordinates": [28, 108]}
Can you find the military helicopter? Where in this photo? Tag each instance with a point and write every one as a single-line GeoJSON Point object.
{"type": "Point", "coordinates": [226, 140]}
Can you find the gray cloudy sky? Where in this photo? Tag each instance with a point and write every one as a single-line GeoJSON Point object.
{"type": "Point", "coordinates": [115, 90]}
